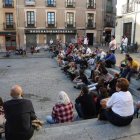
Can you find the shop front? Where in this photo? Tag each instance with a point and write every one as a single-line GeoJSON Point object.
{"type": "Point", "coordinates": [35, 37]}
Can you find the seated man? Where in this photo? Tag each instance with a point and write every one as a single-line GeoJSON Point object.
{"type": "Point", "coordinates": [132, 67]}
{"type": "Point", "coordinates": [110, 59]}
{"type": "Point", "coordinates": [19, 114]}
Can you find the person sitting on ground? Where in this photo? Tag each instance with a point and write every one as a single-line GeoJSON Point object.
{"type": "Point", "coordinates": [81, 80]}
{"type": "Point", "coordinates": [132, 68]}
{"type": "Point", "coordinates": [19, 114]}
{"type": "Point", "coordinates": [112, 84]}
{"type": "Point", "coordinates": [124, 63]}
{"type": "Point", "coordinates": [2, 116]}
{"type": "Point", "coordinates": [84, 104]}
{"type": "Point", "coordinates": [62, 110]}
{"type": "Point", "coordinates": [119, 108]}
{"type": "Point", "coordinates": [110, 59]}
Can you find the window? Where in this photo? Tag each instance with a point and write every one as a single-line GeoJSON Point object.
{"type": "Point", "coordinates": [70, 19]}
{"type": "Point", "coordinates": [8, 3]}
{"type": "Point", "coordinates": [51, 3]}
{"type": "Point", "coordinates": [51, 19]}
{"type": "Point", "coordinates": [90, 20]}
{"type": "Point", "coordinates": [9, 20]}
{"type": "Point", "coordinates": [30, 19]}
{"type": "Point", "coordinates": [91, 4]}
{"type": "Point", "coordinates": [70, 3]}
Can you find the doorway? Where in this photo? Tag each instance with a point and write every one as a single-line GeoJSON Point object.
{"type": "Point", "coordinates": [90, 37]}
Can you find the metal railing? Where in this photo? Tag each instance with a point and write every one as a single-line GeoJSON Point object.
{"type": "Point", "coordinates": [9, 4]}
{"type": "Point", "coordinates": [70, 25]}
{"type": "Point", "coordinates": [51, 3]}
{"type": "Point", "coordinates": [90, 25]}
{"type": "Point", "coordinates": [51, 24]}
{"type": "Point", "coordinates": [70, 4]}
{"type": "Point", "coordinates": [91, 5]}
{"type": "Point", "coordinates": [30, 3]}
{"type": "Point", "coordinates": [9, 25]}
{"type": "Point", "coordinates": [109, 24]}
{"type": "Point", "coordinates": [30, 24]}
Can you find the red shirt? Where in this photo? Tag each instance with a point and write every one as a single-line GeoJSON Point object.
{"type": "Point", "coordinates": [63, 113]}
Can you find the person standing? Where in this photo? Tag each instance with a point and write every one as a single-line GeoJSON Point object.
{"type": "Point", "coordinates": [85, 41]}
{"type": "Point", "coordinates": [19, 114]}
{"type": "Point", "coordinates": [125, 44]}
{"type": "Point", "coordinates": [113, 44]}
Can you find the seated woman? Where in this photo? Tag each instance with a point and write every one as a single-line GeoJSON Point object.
{"type": "Point", "coordinates": [81, 80]}
{"type": "Point", "coordinates": [84, 104]}
{"type": "Point", "coordinates": [62, 111]}
{"type": "Point", "coordinates": [2, 118]}
{"type": "Point", "coordinates": [119, 107]}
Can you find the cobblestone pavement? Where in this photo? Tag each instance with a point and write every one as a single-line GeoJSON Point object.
{"type": "Point", "coordinates": [40, 78]}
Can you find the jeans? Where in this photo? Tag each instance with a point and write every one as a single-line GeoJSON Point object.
{"type": "Point", "coordinates": [50, 120]}
{"type": "Point", "coordinates": [79, 110]}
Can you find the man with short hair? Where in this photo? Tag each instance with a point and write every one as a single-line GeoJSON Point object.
{"type": "Point", "coordinates": [19, 114]}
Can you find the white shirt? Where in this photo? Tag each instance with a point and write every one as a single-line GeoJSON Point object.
{"type": "Point", "coordinates": [121, 103]}
{"type": "Point", "coordinates": [113, 45]}
{"type": "Point", "coordinates": [125, 42]}
{"type": "Point", "coordinates": [88, 51]}
{"type": "Point", "coordinates": [86, 41]}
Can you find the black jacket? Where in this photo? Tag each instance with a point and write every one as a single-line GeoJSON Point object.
{"type": "Point", "coordinates": [88, 106]}
{"type": "Point", "coordinates": [19, 114]}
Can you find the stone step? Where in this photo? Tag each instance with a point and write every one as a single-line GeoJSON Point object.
{"type": "Point", "coordinates": [89, 130]}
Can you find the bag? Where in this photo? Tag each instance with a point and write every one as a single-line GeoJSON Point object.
{"type": "Point", "coordinates": [37, 124]}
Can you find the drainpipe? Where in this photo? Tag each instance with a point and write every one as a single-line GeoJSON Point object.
{"type": "Point", "coordinates": [135, 22]}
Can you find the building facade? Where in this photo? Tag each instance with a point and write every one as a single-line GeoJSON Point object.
{"type": "Point", "coordinates": [7, 25]}
{"type": "Point", "coordinates": [128, 20]}
{"type": "Point", "coordinates": [39, 21]}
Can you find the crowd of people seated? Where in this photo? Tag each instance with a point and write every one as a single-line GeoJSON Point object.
{"type": "Point", "coordinates": [101, 96]}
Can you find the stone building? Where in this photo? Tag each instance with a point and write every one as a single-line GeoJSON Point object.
{"type": "Point", "coordinates": [128, 20]}
{"type": "Point", "coordinates": [7, 25]}
{"type": "Point", "coordinates": [39, 21]}
{"type": "Point", "coordinates": [36, 22]}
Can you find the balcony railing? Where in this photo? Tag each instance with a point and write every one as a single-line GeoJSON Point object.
{"type": "Point", "coordinates": [91, 5]}
{"type": "Point", "coordinates": [9, 26]}
{"type": "Point", "coordinates": [30, 2]}
{"type": "Point", "coordinates": [51, 3]}
{"type": "Point", "coordinates": [8, 4]}
{"type": "Point", "coordinates": [109, 9]}
{"type": "Point", "coordinates": [51, 25]}
{"type": "Point", "coordinates": [109, 24]}
{"type": "Point", "coordinates": [90, 25]}
{"type": "Point", "coordinates": [128, 8]}
{"type": "Point", "coordinates": [70, 25]}
{"type": "Point", "coordinates": [70, 4]}
{"type": "Point", "coordinates": [30, 24]}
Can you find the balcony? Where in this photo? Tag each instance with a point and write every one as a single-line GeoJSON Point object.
{"type": "Point", "coordinates": [51, 25]}
{"type": "Point", "coordinates": [31, 24]}
{"type": "Point", "coordinates": [90, 25]}
{"type": "Point", "coordinates": [50, 3]}
{"type": "Point", "coordinates": [70, 4]}
{"type": "Point", "coordinates": [9, 26]}
{"type": "Point", "coordinates": [91, 5]}
{"type": "Point", "coordinates": [128, 8]}
{"type": "Point", "coordinates": [109, 24]}
{"type": "Point", "coordinates": [70, 25]}
{"type": "Point", "coordinates": [9, 4]}
{"type": "Point", "coordinates": [109, 9]}
{"type": "Point", "coordinates": [30, 2]}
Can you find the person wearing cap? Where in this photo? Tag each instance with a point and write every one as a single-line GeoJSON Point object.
{"type": "Point", "coordinates": [19, 114]}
